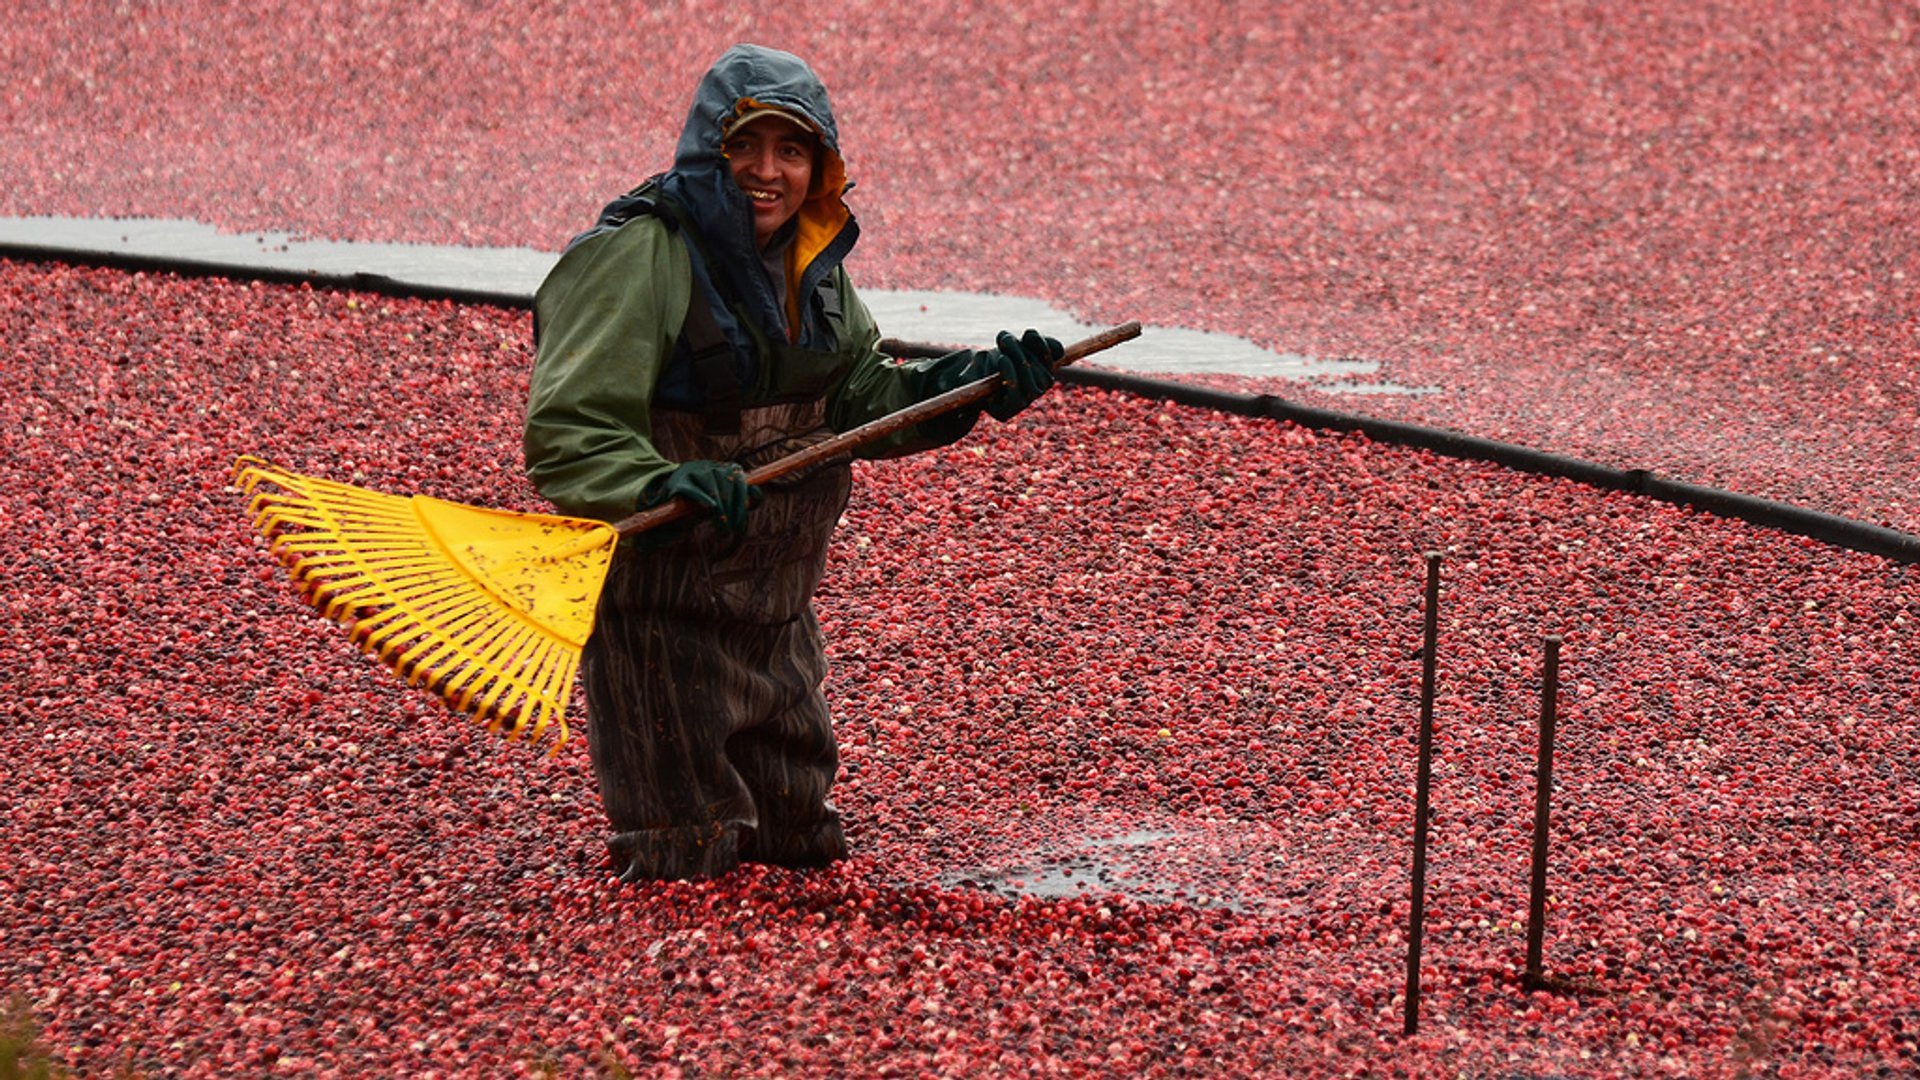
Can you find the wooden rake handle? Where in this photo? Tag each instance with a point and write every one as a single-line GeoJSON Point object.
{"type": "Point", "coordinates": [957, 398]}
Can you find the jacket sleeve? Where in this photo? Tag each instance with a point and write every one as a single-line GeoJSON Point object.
{"type": "Point", "coordinates": [607, 317]}
{"type": "Point", "coordinates": [876, 385]}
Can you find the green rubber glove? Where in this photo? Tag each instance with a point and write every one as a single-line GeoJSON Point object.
{"type": "Point", "coordinates": [718, 486]}
{"type": "Point", "coordinates": [1025, 368]}
{"type": "Point", "coordinates": [944, 373]}
{"type": "Point", "coordinates": [1026, 371]}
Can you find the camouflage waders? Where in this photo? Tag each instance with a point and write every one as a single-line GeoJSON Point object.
{"type": "Point", "coordinates": [705, 720]}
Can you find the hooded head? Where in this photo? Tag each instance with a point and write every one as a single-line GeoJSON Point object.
{"type": "Point", "coordinates": [749, 84]}
{"type": "Point", "coordinates": [745, 78]}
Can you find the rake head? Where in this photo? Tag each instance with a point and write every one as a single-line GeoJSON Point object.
{"type": "Point", "coordinates": [487, 609]}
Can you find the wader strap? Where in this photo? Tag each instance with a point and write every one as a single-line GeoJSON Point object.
{"type": "Point", "coordinates": [716, 375]}
{"type": "Point", "coordinates": [714, 371]}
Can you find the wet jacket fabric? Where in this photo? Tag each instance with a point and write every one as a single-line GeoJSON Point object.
{"type": "Point", "coordinates": [709, 734]}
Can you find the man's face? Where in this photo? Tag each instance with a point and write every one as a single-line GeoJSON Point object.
{"type": "Point", "coordinates": [772, 161]}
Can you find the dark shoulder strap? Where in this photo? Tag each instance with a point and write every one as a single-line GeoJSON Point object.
{"type": "Point", "coordinates": [635, 203]}
{"type": "Point", "coordinates": [715, 372]}
{"type": "Point", "coordinates": [640, 202]}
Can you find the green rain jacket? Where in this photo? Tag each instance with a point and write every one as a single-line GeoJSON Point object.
{"type": "Point", "coordinates": [609, 314]}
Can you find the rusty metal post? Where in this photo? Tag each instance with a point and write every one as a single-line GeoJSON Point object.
{"type": "Point", "coordinates": [1416, 919]}
{"type": "Point", "coordinates": [1542, 798]}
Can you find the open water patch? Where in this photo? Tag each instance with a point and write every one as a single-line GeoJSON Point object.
{"type": "Point", "coordinates": [1243, 868]}
{"type": "Point", "coordinates": [1283, 867]}
{"type": "Point", "coordinates": [1121, 865]}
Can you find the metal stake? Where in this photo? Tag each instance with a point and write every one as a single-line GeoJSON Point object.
{"type": "Point", "coordinates": [1542, 796]}
{"type": "Point", "coordinates": [1416, 920]}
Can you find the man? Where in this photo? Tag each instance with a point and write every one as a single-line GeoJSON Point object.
{"type": "Point", "coordinates": [703, 327]}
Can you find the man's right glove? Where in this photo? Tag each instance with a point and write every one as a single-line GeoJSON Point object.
{"type": "Point", "coordinates": [1024, 364]}
{"type": "Point", "coordinates": [1026, 371]}
{"type": "Point", "coordinates": [719, 486]}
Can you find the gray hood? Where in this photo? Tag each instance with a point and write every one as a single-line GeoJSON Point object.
{"type": "Point", "coordinates": [701, 182]}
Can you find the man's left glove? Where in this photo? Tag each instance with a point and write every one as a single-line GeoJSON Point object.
{"type": "Point", "coordinates": [1025, 366]}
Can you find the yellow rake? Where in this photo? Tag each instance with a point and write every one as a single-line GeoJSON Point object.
{"type": "Point", "coordinates": [488, 609]}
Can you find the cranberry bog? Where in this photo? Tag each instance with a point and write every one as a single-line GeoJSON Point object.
{"type": "Point", "coordinates": [1126, 691]}
{"type": "Point", "coordinates": [1126, 694]}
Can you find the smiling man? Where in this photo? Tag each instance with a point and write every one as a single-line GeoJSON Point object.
{"type": "Point", "coordinates": [703, 327]}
